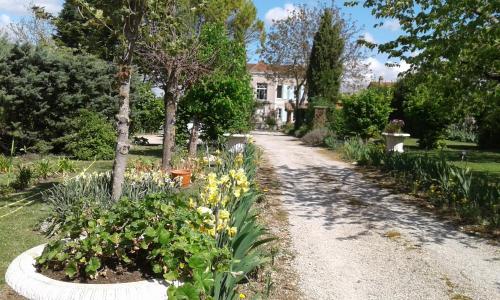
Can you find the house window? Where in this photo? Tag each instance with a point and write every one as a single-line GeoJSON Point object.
{"type": "Point", "coordinates": [279, 92]}
{"type": "Point", "coordinates": [279, 113]}
{"type": "Point", "coordinates": [291, 92]}
{"type": "Point", "coordinates": [262, 91]}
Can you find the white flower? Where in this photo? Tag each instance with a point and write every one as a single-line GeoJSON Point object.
{"type": "Point", "coordinates": [204, 210]}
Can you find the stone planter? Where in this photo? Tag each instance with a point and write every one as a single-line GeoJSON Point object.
{"type": "Point", "coordinates": [236, 142]}
{"type": "Point", "coordinates": [394, 141]}
{"type": "Point", "coordinates": [22, 277]}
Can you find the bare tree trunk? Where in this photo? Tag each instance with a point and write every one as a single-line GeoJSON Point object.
{"type": "Point", "coordinates": [170, 100]}
{"type": "Point", "coordinates": [193, 139]}
{"type": "Point", "coordinates": [122, 144]}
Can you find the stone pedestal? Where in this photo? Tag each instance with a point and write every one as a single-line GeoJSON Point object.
{"type": "Point", "coordinates": [394, 141]}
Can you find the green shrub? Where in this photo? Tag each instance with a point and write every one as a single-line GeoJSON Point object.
{"type": "Point", "coordinates": [160, 230]}
{"type": "Point", "coordinates": [303, 129]}
{"type": "Point", "coordinates": [64, 166]}
{"type": "Point", "coordinates": [44, 87]}
{"type": "Point", "coordinates": [147, 110]}
{"type": "Point", "coordinates": [332, 142]}
{"type": "Point", "coordinates": [24, 177]}
{"type": "Point", "coordinates": [466, 131]}
{"type": "Point", "coordinates": [44, 168]}
{"type": "Point", "coordinates": [316, 137]}
{"type": "Point", "coordinates": [354, 149]}
{"type": "Point", "coordinates": [366, 113]}
{"type": "Point", "coordinates": [489, 129]}
{"type": "Point", "coordinates": [287, 128]}
{"type": "Point", "coordinates": [6, 164]}
{"type": "Point", "coordinates": [6, 189]}
{"type": "Point", "coordinates": [92, 137]}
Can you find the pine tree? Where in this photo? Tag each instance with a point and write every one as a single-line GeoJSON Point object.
{"type": "Point", "coordinates": [325, 68]}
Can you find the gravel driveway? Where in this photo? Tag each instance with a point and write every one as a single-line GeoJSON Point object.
{"type": "Point", "coordinates": [354, 240]}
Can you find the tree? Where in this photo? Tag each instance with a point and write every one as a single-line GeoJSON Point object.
{"type": "Point", "coordinates": [35, 29]}
{"type": "Point", "coordinates": [289, 44]}
{"type": "Point", "coordinates": [174, 55]}
{"type": "Point", "coordinates": [223, 100]}
{"type": "Point", "coordinates": [171, 56]}
{"type": "Point", "coordinates": [324, 73]}
{"type": "Point", "coordinates": [42, 88]}
{"type": "Point", "coordinates": [77, 30]}
{"type": "Point", "coordinates": [455, 42]}
{"type": "Point", "coordinates": [123, 19]}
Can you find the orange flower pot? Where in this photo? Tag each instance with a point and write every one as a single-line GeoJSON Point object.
{"type": "Point", "coordinates": [185, 174]}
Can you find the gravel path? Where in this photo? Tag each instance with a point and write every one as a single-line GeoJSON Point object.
{"type": "Point", "coordinates": [355, 240]}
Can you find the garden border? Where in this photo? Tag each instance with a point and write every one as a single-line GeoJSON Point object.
{"type": "Point", "coordinates": [23, 278]}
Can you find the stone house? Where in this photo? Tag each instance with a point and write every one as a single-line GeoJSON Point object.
{"type": "Point", "coordinates": [274, 93]}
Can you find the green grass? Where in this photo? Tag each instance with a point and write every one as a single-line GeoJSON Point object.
{"type": "Point", "coordinates": [479, 161]}
{"type": "Point", "coordinates": [18, 230]}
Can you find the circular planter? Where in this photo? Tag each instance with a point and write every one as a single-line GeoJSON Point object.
{"type": "Point", "coordinates": [185, 174]}
{"type": "Point", "coordinates": [23, 278]}
{"type": "Point", "coordinates": [394, 141]}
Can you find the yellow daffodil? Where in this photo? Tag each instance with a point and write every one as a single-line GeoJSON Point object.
{"type": "Point", "coordinates": [242, 296]}
{"type": "Point", "coordinates": [232, 231]}
{"type": "Point", "coordinates": [224, 214]}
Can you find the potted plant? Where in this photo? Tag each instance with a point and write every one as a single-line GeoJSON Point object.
{"type": "Point", "coordinates": [394, 136]}
{"type": "Point", "coordinates": [182, 170]}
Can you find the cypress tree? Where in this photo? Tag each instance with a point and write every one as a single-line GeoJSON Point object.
{"type": "Point", "coordinates": [325, 67]}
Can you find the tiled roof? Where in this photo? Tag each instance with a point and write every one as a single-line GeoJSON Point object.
{"type": "Point", "coordinates": [262, 67]}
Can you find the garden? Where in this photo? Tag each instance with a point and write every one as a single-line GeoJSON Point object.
{"type": "Point", "coordinates": [434, 131]}
{"type": "Point", "coordinates": [456, 168]}
{"type": "Point", "coordinates": [76, 92]}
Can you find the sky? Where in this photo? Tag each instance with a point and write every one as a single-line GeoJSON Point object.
{"type": "Point", "coordinates": [268, 10]}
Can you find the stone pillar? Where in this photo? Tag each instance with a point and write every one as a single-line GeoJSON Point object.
{"type": "Point", "coordinates": [320, 116]}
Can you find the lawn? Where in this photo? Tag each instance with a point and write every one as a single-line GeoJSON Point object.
{"type": "Point", "coordinates": [464, 155]}
{"type": "Point", "coordinates": [20, 213]}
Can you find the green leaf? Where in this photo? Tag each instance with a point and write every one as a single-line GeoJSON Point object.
{"type": "Point", "coordinates": [115, 238]}
{"type": "Point", "coordinates": [71, 269]}
{"type": "Point", "coordinates": [93, 265]}
{"type": "Point", "coordinates": [163, 236]}
{"type": "Point", "coordinates": [198, 262]}
{"type": "Point", "coordinates": [150, 232]}
{"type": "Point", "coordinates": [157, 268]}
{"type": "Point", "coordinates": [171, 276]}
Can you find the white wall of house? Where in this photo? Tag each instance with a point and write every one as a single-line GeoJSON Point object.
{"type": "Point", "coordinates": [278, 93]}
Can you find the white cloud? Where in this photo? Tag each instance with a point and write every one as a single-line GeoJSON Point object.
{"type": "Point", "coordinates": [21, 7]}
{"type": "Point", "coordinates": [4, 20]}
{"type": "Point", "coordinates": [4, 23]}
{"type": "Point", "coordinates": [279, 13]}
{"type": "Point", "coordinates": [378, 68]}
{"type": "Point", "coordinates": [368, 37]}
{"type": "Point", "coordinates": [392, 25]}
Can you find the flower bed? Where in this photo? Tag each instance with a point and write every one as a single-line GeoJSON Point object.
{"type": "Point", "coordinates": [186, 236]}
